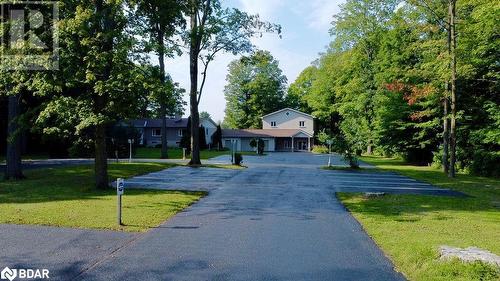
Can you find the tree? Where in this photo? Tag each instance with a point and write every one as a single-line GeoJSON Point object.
{"type": "Point", "coordinates": [14, 165]}
{"type": "Point", "coordinates": [156, 22]}
{"type": "Point", "coordinates": [97, 78]}
{"type": "Point", "coordinates": [255, 87]}
{"type": "Point", "coordinates": [300, 88]}
{"type": "Point", "coordinates": [205, 115]}
{"type": "Point", "coordinates": [217, 138]}
{"type": "Point", "coordinates": [213, 30]}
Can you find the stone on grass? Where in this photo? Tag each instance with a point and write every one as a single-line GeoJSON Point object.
{"type": "Point", "coordinates": [374, 194]}
{"type": "Point", "coordinates": [470, 254]}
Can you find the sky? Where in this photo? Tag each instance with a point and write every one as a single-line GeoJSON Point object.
{"type": "Point", "coordinates": [305, 35]}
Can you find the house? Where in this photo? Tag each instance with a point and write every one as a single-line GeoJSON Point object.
{"type": "Point", "coordinates": [150, 130]}
{"type": "Point", "coordinates": [284, 130]}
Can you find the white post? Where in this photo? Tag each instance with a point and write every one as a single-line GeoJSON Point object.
{"type": "Point", "coordinates": [183, 153]}
{"type": "Point", "coordinates": [308, 144]}
{"type": "Point", "coordinates": [130, 151]}
{"type": "Point", "coordinates": [330, 155]}
{"type": "Point", "coordinates": [120, 186]}
{"type": "Point", "coordinates": [293, 145]}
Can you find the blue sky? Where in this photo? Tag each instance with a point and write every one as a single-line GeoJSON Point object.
{"type": "Point", "coordinates": [305, 26]}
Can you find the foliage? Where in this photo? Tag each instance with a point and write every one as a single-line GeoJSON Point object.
{"type": "Point", "coordinates": [382, 83]}
{"type": "Point", "coordinates": [320, 149]}
{"type": "Point", "coordinates": [238, 159]}
{"type": "Point", "coordinates": [217, 138]}
{"type": "Point", "coordinates": [344, 148]}
{"type": "Point", "coordinates": [255, 87]}
{"type": "Point", "coordinates": [259, 144]}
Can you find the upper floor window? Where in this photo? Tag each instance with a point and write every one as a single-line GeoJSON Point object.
{"type": "Point", "coordinates": [273, 123]}
{"type": "Point", "coordinates": [156, 132]}
{"type": "Point", "coordinates": [302, 123]}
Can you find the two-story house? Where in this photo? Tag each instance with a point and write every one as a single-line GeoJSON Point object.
{"type": "Point", "coordinates": [150, 130]}
{"type": "Point", "coordinates": [284, 130]}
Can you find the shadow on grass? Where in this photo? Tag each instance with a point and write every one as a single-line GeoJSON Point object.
{"type": "Point", "coordinates": [74, 183]}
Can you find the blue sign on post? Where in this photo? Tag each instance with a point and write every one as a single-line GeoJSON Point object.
{"type": "Point", "coordinates": [120, 188]}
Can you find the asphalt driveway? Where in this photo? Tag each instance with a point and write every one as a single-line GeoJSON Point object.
{"type": "Point", "coordinates": [277, 220]}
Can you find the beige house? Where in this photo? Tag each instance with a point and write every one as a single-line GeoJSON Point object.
{"type": "Point", "coordinates": [284, 130]}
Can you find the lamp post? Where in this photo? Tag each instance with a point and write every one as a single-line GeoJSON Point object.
{"type": "Point", "coordinates": [329, 142]}
{"type": "Point", "coordinates": [130, 142]}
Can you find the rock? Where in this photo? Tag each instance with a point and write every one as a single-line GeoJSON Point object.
{"type": "Point", "coordinates": [374, 194]}
{"type": "Point", "coordinates": [470, 254]}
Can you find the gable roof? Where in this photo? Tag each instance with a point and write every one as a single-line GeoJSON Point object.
{"type": "Point", "coordinates": [287, 109]}
{"type": "Point", "coordinates": [156, 123]}
{"type": "Point", "coordinates": [262, 133]}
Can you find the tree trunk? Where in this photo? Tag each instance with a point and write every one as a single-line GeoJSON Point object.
{"type": "Point", "coordinates": [446, 119]}
{"type": "Point", "coordinates": [163, 106]}
{"type": "Point", "coordinates": [453, 134]}
{"type": "Point", "coordinates": [100, 99]}
{"type": "Point", "coordinates": [14, 165]}
{"type": "Point", "coordinates": [101, 157]}
{"type": "Point", "coordinates": [446, 135]}
{"type": "Point", "coordinates": [193, 95]}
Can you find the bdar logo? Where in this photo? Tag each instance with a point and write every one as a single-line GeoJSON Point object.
{"type": "Point", "coordinates": [8, 273]}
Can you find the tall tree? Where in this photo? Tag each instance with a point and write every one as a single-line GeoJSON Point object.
{"type": "Point", "coordinates": [93, 38]}
{"type": "Point", "coordinates": [156, 22]}
{"type": "Point", "coordinates": [255, 87]}
{"type": "Point", "coordinates": [213, 29]}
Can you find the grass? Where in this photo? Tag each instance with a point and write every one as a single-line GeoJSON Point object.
{"type": "Point", "coordinates": [410, 228]}
{"type": "Point", "coordinates": [39, 156]}
{"type": "Point", "coordinates": [65, 197]}
{"type": "Point", "coordinates": [176, 153]}
{"type": "Point", "coordinates": [350, 169]}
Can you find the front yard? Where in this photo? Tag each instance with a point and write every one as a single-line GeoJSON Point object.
{"type": "Point", "coordinates": [410, 228]}
{"type": "Point", "coordinates": [66, 197]}
{"type": "Point", "coordinates": [176, 153]}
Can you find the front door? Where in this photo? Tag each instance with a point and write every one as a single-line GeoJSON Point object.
{"type": "Point", "coordinates": [302, 145]}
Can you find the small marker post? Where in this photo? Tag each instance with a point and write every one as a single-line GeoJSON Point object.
{"type": "Point", "coordinates": [120, 187]}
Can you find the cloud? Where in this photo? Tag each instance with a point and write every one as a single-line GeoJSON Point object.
{"type": "Point", "coordinates": [267, 9]}
{"type": "Point", "coordinates": [318, 13]}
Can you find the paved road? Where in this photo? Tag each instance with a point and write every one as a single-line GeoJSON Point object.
{"type": "Point", "coordinates": [277, 220]}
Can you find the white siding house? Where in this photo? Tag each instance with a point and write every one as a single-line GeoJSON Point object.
{"type": "Point", "coordinates": [283, 130]}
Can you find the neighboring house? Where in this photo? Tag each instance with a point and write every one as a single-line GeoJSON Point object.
{"type": "Point", "coordinates": [150, 130]}
{"type": "Point", "coordinates": [283, 130]}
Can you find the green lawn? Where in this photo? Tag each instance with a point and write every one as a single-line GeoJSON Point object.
{"type": "Point", "coordinates": [66, 197]}
{"type": "Point", "coordinates": [410, 228]}
{"type": "Point", "coordinates": [176, 153]}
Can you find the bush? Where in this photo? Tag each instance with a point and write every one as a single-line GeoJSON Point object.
{"type": "Point", "coordinates": [238, 159]}
{"type": "Point", "coordinates": [321, 149]}
{"type": "Point", "coordinates": [485, 163]}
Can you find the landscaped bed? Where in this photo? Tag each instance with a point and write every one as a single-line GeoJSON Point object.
{"type": "Point", "coordinates": [65, 196]}
{"type": "Point", "coordinates": [411, 228]}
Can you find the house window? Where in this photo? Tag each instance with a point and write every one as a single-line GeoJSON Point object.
{"type": "Point", "coordinates": [302, 124]}
{"type": "Point", "coordinates": [156, 132]}
{"type": "Point", "coordinates": [273, 123]}
{"type": "Point", "coordinates": [180, 133]}
{"type": "Point", "coordinates": [287, 113]}
{"type": "Point", "coordinates": [206, 131]}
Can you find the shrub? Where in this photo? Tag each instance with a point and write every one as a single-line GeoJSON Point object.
{"type": "Point", "coordinates": [238, 159]}
{"type": "Point", "coordinates": [260, 147]}
{"type": "Point", "coordinates": [485, 163]}
{"type": "Point", "coordinates": [320, 149]}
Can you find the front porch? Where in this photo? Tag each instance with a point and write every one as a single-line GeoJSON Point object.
{"type": "Point", "coordinates": [293, 144]}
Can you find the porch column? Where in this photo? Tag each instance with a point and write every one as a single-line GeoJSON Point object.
{"type": "Point", "coordinates": [308, 144]}
{"type": "Point", "coordinates": [293, 148]}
